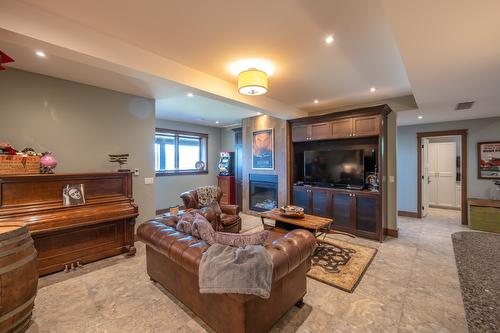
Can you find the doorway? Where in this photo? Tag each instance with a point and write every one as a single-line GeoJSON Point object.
{"type": "Point", "coordinates": [442, 171]}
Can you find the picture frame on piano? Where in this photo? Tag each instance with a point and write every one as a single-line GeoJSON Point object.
{"type": "Point", "coordinates": [73, 195]}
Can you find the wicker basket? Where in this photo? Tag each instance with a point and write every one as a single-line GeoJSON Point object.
{"type": "Point", "coordinates": [11, 164]}
{"type": "Point", "coordinates": [19, 165]}
{"type": "Point", "coordinates": [31, 164]}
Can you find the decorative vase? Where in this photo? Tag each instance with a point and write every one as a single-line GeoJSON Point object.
{"type": "Point", "coordinates": [495, 193]}
{"type": "Point", "coordinates": [47, 163]}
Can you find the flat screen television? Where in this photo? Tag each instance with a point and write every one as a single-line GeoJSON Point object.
{"type": "Point", "coordinates": [334, 167]}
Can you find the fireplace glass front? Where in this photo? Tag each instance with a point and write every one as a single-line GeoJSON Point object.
{"type": "Point", "coordinates": [263, 192]}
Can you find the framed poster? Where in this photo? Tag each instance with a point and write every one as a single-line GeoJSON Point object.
{"type": "Point", "coordinates": [73, 195]}
{"type": "Point", "coordinates": [488, 154]}
{"type": "Point", "coordinates": [263, 149]}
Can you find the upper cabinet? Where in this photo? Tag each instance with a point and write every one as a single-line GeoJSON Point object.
{"type": "Point", "coordinates": [301, 133]}
{"type": "Point", "coordinates": [366, 126]}
{"type": "Point", "coordinates": [320, 131]}
{"type": "Point", "coordinates": [341, 128]}
{"type": "Point", "coordinates": [337, 129]}
{"type": "Point", "coordinates": [309, 132]}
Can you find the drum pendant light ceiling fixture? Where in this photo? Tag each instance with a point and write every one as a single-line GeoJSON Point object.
{"type": "Point", "coordinates": [252, 82]}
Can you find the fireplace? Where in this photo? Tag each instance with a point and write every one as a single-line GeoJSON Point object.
{"type": "Point", "coordinates": [263, 192]}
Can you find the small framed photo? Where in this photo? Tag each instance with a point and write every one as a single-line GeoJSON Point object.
{"type": "Point", "coordinates": [73, 195]}
{"type": "Point", "coordinates": [263, 149]}
{"type": "Point", "coordinates": [488, 154]}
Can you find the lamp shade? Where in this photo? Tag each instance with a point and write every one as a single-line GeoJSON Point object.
{"type": "Point", "coordinates": [252, 82]}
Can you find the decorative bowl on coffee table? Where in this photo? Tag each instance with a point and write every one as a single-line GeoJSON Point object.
{"type": "Point", "coordinates": [292, 211]}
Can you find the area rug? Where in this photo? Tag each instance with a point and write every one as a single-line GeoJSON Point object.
{"type": "Point", "coordinates": [341, 269]}
{"type": "Point", "coordinates": [340, 264]}
{"type": "Point", "coordinates": [477, 255]}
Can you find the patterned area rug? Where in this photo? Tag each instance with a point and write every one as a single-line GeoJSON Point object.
{"type": "Point", "coordinates": [340, 264]}
{"type": "Point", "coordinates": [341, 269]}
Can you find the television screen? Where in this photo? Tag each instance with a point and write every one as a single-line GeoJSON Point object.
{"type": "Point", "coordinates": [338, 167]}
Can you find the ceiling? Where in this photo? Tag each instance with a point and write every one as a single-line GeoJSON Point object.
{"type": "Point", "coordinates": [197, 108]}
{"type": "Point", "coordinates": [172, 100]}
{"type": "Point", "coordinates": [207, 35]}
{"type": "Point", "coordinates": [451, 52]}
{"type": "Point", "coordinates": [441, 52]}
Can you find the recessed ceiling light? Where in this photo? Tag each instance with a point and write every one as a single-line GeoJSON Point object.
{"type": "Point", "coordinates": [316, 101]}
{"type": "Point", "coordinates": [41, 54]}
{"type": "Point", "coordinates": [373, 89]}
{"type": "Point", "coordinates": [190, 95]}
{"type": "Point", "coordinates": [259, 113]}
{"type": "Point", "coordinates": [420, 117]}
{"type": "Point", "coordinates": [329, 39]}
{"type": "Point", "coordinates": [216, 121]}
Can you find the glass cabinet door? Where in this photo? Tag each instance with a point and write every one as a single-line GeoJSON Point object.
{"type": "Point", "coordinates": [342, 210]}
{"type": "Point", "coordinates": [321, 203]}
{"type": "Point", "coordinates": [301, 198]}
{"type": "Point", "coordinates": [366, 213]}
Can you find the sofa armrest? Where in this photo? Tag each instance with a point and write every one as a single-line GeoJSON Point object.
{"type": "Point", "coordinates": [230, 209]}
{"type": "Point", "coordinates": [290, 251]}
{"type": "Point", "coordinates": [181, 248]}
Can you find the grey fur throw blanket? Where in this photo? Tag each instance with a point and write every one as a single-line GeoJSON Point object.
{"type": "Point", "coordinates": [239, 270]}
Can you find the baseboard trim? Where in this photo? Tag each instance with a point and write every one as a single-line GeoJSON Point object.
{"type": "Point", "coordinates": [445, 207]}
{"type": "Point", "coordinates": [408, 214]}
{"type": "Point", "coordinates": [391, 232]}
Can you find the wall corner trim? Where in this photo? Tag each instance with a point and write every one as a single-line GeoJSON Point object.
{"type": "Point", "coordinates": [391, 232]}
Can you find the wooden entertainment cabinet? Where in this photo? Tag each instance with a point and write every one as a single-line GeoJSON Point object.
{"type": "Point", "coordinates": [360, 212]}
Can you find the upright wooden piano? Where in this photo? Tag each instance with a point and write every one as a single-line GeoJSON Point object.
{"type": "Point", "coordinates": [100, 228]}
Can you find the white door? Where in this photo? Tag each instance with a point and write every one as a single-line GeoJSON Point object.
{"type": "Point", "coordinates": [433, 173]}
{"type": "Point", "coordinates": [447, 170]}
{"type": "Point", "coordinates": [425, 176]}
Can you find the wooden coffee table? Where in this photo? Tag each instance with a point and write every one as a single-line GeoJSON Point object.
{"type": "Point", "coordinates": [318, 226]}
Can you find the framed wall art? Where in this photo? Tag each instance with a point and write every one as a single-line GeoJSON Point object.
{"type": "Point", "coordinates": [263, 149]}
{"type": "Point", "coordinates": [488, 154]}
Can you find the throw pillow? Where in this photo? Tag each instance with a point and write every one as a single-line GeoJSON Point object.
{"type": "Point", "coordinates": [226, 238]}
{"type": "Point", "coordinates": [201, 228]}
{"type": "Point", "coordinates": [206, 195]}
{"type": "Point", "coordinates": [185, 223]}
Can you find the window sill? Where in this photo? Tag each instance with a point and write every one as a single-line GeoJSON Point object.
{"type": "Point", "coordinates": [180, 173]}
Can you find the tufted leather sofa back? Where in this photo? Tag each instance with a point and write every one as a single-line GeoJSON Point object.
{"type": "Point", "coordinates": [287, 251]}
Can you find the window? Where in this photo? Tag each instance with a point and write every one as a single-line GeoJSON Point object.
{"type": "Point", "coordinates": [176, 152]}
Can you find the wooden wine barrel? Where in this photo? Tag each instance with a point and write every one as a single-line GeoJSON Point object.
{"type": "Point", "coordinates": [18, 277]}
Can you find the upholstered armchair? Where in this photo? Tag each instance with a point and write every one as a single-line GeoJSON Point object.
{"type": "Point", "coordinates": [227, 221]}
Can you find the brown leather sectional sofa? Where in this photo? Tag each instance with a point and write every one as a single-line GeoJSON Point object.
{"type": "Point", "coordinates": [173, 259]}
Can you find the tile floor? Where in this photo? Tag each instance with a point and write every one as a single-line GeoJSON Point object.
{"type": "Point", "coordinates": [411, 286]}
